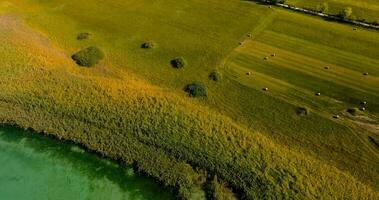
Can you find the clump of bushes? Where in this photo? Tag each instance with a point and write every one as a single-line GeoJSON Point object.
{"type": "Point", "coordinates": [148, 45]}
{"type": "Point", "coordinates": [88, 57]}
{"type": "Point", "coordinates": [179, 62]}
{"type": "Point", "coordinates": [196, 89]}
{"type": "Point", "coordinates": [215, 76]}
{"type": "Point", "coordinates": [302, 111]}
{"type": "Point", "coordinates": [83, 36]}
{"type": "Point", "coordinates": [352, 111]}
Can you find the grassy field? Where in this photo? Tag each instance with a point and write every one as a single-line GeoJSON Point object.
{"type": "Point", "coordinates": [131, 106]}
{"type": "Point", "coordinates": [362, 9]}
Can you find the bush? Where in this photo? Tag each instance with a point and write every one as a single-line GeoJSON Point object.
{"type": "Point", "coordinates": [323, 8]}
{"type": "Point", "coordinates": [346, 13]}
{"type": "Point", "coordinates": [215, 76]}
{"type": "Point", "coordinates": [179, 62]}
{"type": "Point", "coordinates": [88, 57]}
{"type": "Point", "coordinates": [196, 90]}
{"type": "Point", "coordinates": [148, 45]}
{"type": "Point", "coordinates": [352, 111]}
{"type": "Point", "coordinates": [83, 36]}
{"type": "Point", "coordinates": [302, 111]}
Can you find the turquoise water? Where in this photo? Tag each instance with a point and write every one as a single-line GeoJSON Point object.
{"type": "Point", "coordinates": [38, 167]}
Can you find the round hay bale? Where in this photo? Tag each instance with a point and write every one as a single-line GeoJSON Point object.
{"type": "Point", "coordinates": [248, 73]}
{"type": "Point", "coordinates": [327, 67]}
{"type": "Point", "coordinates": [266, 58]}
{"type": "Point", "coordinates": [365, 74]}
{"type": "Point", "coordinates": [318, 94]}
{"type": "Point", "coordinates": [273, 55]}
{"type": "Point", "coordinates": [336, 116]}
{"type": "Point", "coordinates": [363, 109]}
{"type": "Point", "coordinates": [363, 102]}
{"type": "Point", "coordinates": [265, 89]}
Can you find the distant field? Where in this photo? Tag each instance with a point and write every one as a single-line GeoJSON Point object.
{"type": "Point", "coordinates": [362, 9]}
{"type": "Point", "coordinates": [131, 106]}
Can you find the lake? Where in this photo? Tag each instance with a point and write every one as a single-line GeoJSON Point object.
{"type": "Point", "coordinates": [33, 166]}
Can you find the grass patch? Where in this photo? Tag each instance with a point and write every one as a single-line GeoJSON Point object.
{"type": "Point", "coordinates": [88, 57]}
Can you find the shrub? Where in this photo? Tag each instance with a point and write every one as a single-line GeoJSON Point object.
{"type": "Point", "coordinates": [178, 62]}
{"type": "Point", "coordinates": [83, 36]}
{"type": "Point", "coordinates": [346, 13]}
{"type": "Point", "coordinates": [302, 111]}
{"type": "Point", "coordinates": [88, 57]}
{"type": "Point", "coordinates": [196, 89]}
{"type": "Point", "coordinates": [323, 8]}
{"type": "Point", "coordinates": [215, 76]}
{"type": "Point", "coordinates": [148, 45]}
{"type": "Point", "coordinates": [352, 111]}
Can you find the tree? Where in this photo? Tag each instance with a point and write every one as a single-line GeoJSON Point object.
{"type": "Point", "coordinates": [346, 13]}
{"type": "Point", "coordinates": [323, 8]}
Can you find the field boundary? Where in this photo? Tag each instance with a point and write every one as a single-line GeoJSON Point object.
{"type": "Point", "coordinates": [323, 15]}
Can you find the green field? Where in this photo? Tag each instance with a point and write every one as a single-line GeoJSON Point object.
{"type": "Point", "coordinates": [132, 107]}
{"type": "Point", "coordinates": [362, 9]}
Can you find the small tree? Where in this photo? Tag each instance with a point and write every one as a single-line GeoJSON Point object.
{"type": "Point", "coordinates": [196, 89]}
{"type": "Point", "coordinates": [215, 76]}
{"type": "Point", "coordinates": [178, 62]}
{"type": "Point", "coordinates": [323, 8]}
{"type": "Point", "coordinates": [346, 13]}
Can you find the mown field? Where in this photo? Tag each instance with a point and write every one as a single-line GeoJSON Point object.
{"type": "Point", "coordinates": [132, 107]}
{"type": "Point", "coordinates": [362, 9]}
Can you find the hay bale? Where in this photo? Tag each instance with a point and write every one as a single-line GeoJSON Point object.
{"type": "Point", "coordinates": [265, 89]}
{"type": "Point", "coordinates": [336, 116]}
{"type": "Point", "coordinates": [266, 58]}
{"type": "Point", "coordinates": [327, 67]}
{"type": "Point", "coordinates": [365, 74]}
{"type": "Point", "coordinates": [249, 35]}
{"type": "Point", "coordinates": [273, 55]}
{"type": "Point", "coordinates": [363, 109]}
{"type": "Point", "coordinates": [248, 73]}
{"type": "Point", "coordinates": [363, 102]}
{"type": "Point", "coordinates": [318, 94]}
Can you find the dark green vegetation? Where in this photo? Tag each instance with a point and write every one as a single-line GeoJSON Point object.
{"type": "Point", "coordinates": [179, 62]}
{"type": "Point", "coordinates": [363, 10]}
{"type": "Point", "coordinates": [196, 89]}
{"type": "Point", "coordinates": [36, 167]}
{"type": "Point", "coordinates": [133, 108]}
{"type": "Point", "coordinates": [88, 57]}
{"type": "Point", "coordinates": [148, 45]}
{"type": "Point", "coordinates": [215, 76]}
{"type": "Point", "coordinates": [83, 36]}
